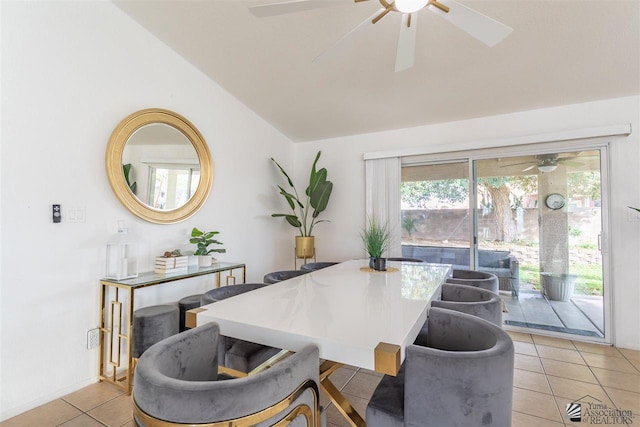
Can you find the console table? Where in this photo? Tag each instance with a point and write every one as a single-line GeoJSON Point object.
{"type": "Point", "coordinates": [116, 315]}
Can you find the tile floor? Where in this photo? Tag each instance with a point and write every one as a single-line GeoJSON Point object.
{"type": "Point", "coordinates": [549, 373]}
{"type": "Point", "coordinates": [582, 315]}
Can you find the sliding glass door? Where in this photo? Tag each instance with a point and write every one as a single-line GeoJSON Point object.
{"type": "Point", "coordinates": [435, 213]}
{"type": "Point", "coordinates": [536, 221]}
{"type": "Point", "coordinates": [545, 211]}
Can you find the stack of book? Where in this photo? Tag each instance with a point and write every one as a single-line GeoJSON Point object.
{"type": "Point", "coordinates": [174, 264]}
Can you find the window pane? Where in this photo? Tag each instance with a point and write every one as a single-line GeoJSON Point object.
{"type": "Point", "coordinates": [435, 213]}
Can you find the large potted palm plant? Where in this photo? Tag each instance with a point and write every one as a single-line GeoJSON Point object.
{"type": "Point", "coordinates": [306, 209]}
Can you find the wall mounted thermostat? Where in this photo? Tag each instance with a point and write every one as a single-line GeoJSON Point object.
{"type": "Point", "coordinates": [56, 213]}
{"type": "Point", "coordinates": [554, 201]}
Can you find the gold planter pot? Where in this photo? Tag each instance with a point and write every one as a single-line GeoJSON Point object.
{"type": "Point", "coordinates": [305, 247]}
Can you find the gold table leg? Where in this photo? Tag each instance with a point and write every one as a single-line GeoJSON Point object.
{"type": "Point", "coordinates": [337, 398]}
{"type": "Point", "coordinates": [282, 354]}
{"type": "Point", "coordinates": [116, 329]}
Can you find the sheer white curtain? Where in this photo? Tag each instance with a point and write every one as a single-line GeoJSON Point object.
{"type": "Point", "coordinates": [382, 199]}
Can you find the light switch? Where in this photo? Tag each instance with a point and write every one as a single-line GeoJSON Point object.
{"type": "Point", "coordinates": [75, 214]}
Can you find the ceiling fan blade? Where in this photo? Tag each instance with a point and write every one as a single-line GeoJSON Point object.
{"type": "Point", "coordinates": [517, 164]}
{"type": "Point", "coordinates": [570, 163]}
{"type": "Point", "coordinates": [292, 6]}
{"type": "Point", "coordinates": [406, 52]}
{"type": "Point", "coordinates": [529, 168]}
{"type": "Point", "coordinates": [487, 30]}
{"type": "Point", "coordinates": [578, 157]}
{"type": "Point", "coordinates": [569, 158]}
{"type": "Point", "coordinates": [348, 39]}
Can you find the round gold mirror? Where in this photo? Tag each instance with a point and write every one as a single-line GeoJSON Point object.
{"type": "Point", "coordinates": [159, 166]}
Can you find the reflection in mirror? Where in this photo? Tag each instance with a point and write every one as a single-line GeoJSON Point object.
{"type": "Point", "coordinates": [165, 170]}
{"type": "Point", "coordinates": [170, 188]}
{"type": "Point", "coordinates": [159, 166]}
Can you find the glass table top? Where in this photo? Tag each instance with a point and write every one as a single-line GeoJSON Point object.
{"type": "Point", "coordinates": [150, 278]}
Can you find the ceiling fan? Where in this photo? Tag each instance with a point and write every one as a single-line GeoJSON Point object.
{"type": "Point", "coordinates": [483, 28]}
{"type": "Point", "coordinates": [549, 162]}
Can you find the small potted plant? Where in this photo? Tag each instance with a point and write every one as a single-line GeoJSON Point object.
{"type": "Point", "coordinates": [376, 238]}
{"type": "Point", "coordinates": [203, 239]}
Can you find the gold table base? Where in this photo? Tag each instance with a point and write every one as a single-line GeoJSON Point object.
{"type": "Point", "coordinates": [344, 406]}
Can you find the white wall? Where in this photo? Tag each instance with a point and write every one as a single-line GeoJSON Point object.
{"type": "Point", "coordinates": [339, 239]}
{"type": "Point", "coordinates": [70, 72]}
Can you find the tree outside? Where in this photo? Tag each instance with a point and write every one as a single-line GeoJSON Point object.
{"type": "Point", "coordinates": [507, 211]}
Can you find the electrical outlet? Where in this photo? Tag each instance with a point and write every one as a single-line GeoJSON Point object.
{"type": "Point", "coordinates": [93, 338]}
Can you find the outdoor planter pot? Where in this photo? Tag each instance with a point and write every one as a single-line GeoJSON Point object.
{"type": "Point", "coordinates": [557, 286]}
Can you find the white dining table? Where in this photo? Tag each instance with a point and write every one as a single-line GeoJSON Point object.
{"type": "Point", "coordinates": [354, 315]}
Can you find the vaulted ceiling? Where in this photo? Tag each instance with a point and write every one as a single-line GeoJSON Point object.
{"type": "Point", "coordinates": [560, 52]}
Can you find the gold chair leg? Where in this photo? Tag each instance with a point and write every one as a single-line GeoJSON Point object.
{"type": "Point", "coordinates": [231, 372]}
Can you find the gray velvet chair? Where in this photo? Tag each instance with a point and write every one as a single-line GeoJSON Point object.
{"type": "Point", "coordinates": [152, 324]}
{"type": "Point", "coordinates": [185, 304]}
{"type": "Point", "coordinates": [176, 381]}
{"type": "Point", "coordinates": [471, 300]}
{"type": "Point", "coordinates": [224, 292]}
{"type": "Point", "coordinates": [279, 276]}
{"type": "Point", "coordinates": [313, 266]}
{"type": "Point", "coordinates": [479, 279]}
{"type": "Point", "coordinates": [235, 354]}
{"type": "Point", "coordinates": [463, 377]}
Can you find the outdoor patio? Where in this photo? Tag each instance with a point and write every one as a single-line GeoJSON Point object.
{"type": "Point", "coordinates": [581, 315]}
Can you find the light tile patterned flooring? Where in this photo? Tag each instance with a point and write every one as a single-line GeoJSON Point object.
{"type": "Point", "coordinates": [549, 373]}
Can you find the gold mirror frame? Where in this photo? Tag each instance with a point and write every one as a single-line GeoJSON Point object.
{"type": "Point", "coordinates": [115, 149]}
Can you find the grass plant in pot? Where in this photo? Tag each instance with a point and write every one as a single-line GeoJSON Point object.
{"type": "Point", "coordinates": [203, 239]}
{"type": "Point", "coordinates": [306, 209]}
{"type": "Point", "coordinates": [376, 238]}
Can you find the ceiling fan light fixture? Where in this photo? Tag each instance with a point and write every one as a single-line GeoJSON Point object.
{"type": "Point", "coordinates": [410, 6]}
{"type": "Point", "coordinates": [547, 168]}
